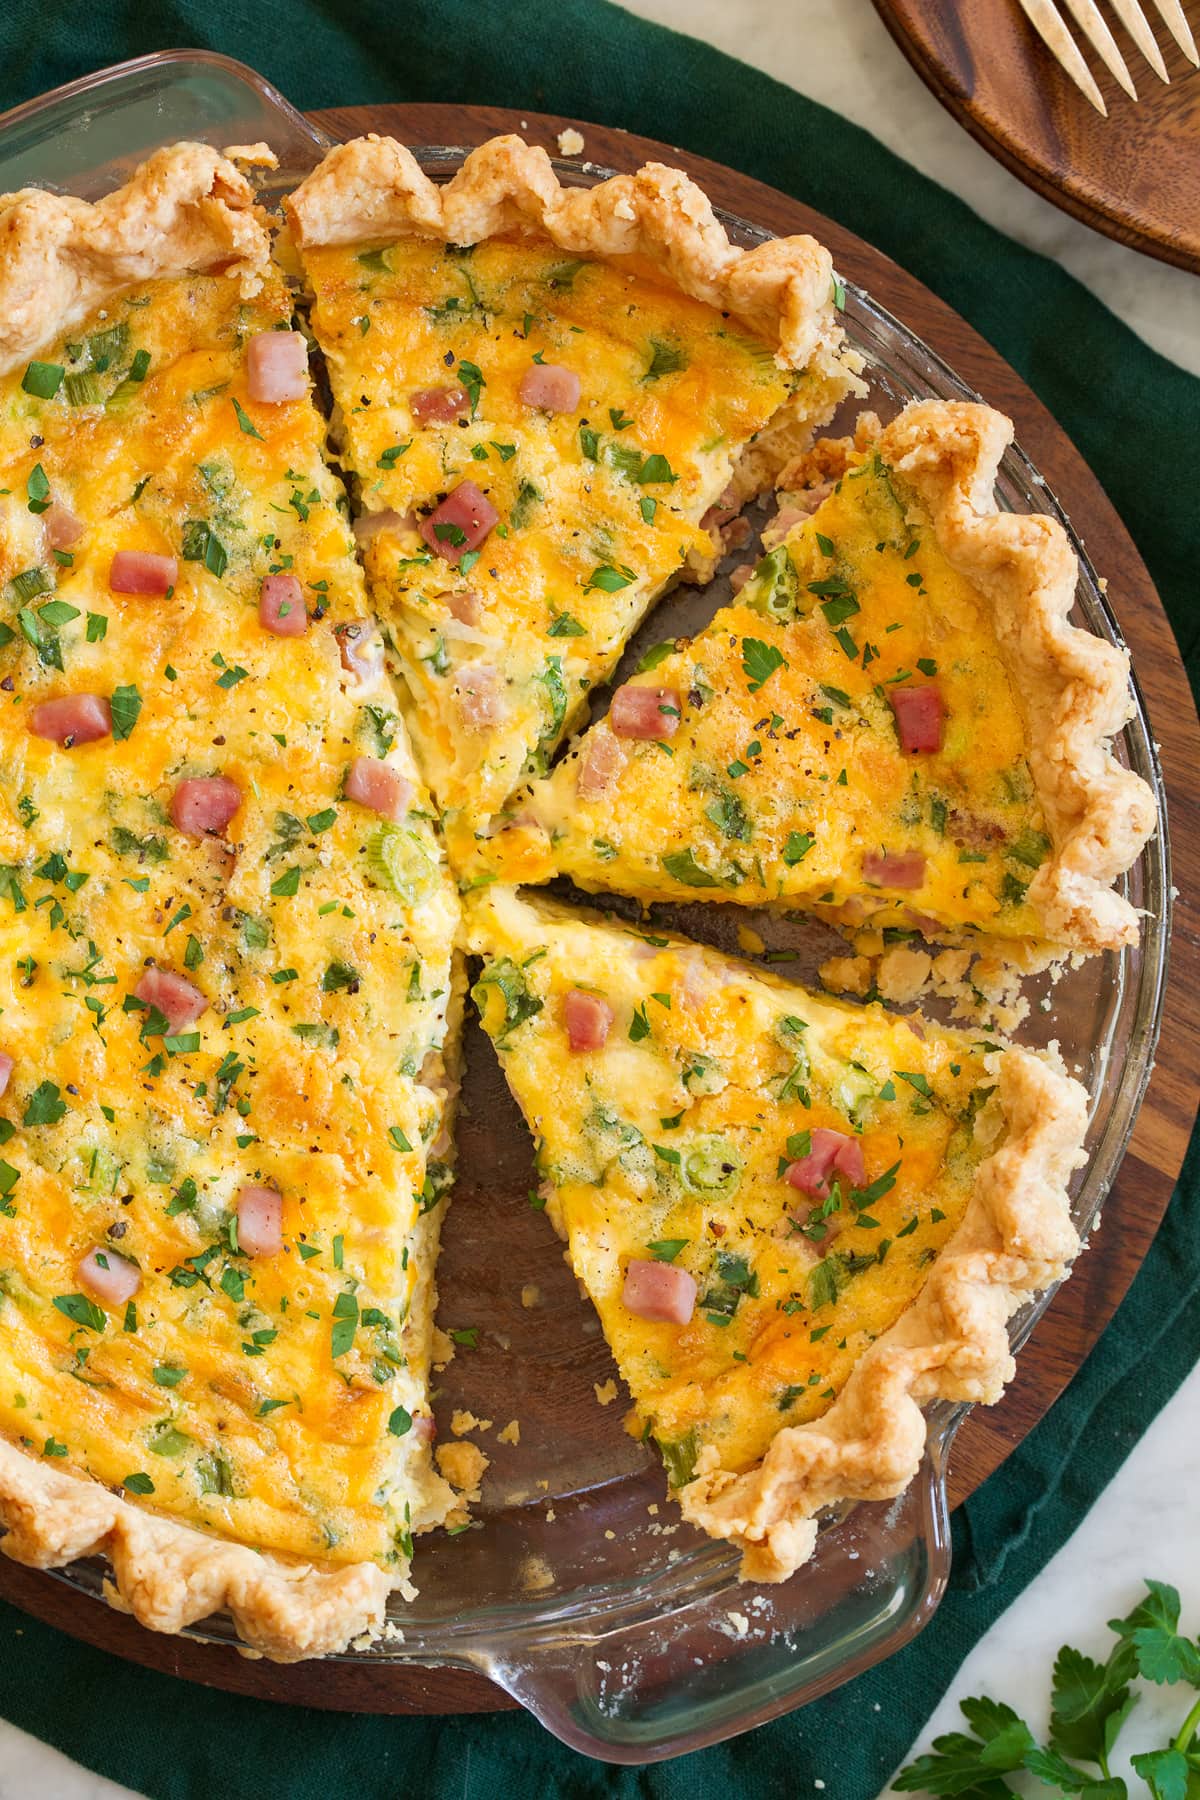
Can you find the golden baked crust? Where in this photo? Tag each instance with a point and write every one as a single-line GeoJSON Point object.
{"type": "Point", "coordinates": [169, 1576]}
{"type": "Point", "coordinates": [657, 221]}
{"type": "Point", "coordinates": [1016, 1238]}
{"type": "Point", "coordinates": [1073, 687]}
{"type": "Point", "coordinates": [186, 208]}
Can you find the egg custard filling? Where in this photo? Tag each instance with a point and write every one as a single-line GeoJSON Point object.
{"type": "Point", "coordinates": [543, 435]}
{"type": "Point", "coordinates": [779, 1204]}
{"type": "Point", "coordinates": [893, 722]}
{"type": "Point", "coordinates": [227, 987]}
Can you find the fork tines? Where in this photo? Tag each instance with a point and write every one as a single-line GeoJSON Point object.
{"type": "Point", "coordinates": [1051, 27]}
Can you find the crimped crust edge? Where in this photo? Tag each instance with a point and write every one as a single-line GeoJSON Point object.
{"type": "Point", "coordinates": [1016, 1237]}
{"type": "Point", "coordinates": [169, 1575]}
{"type": "Point", "coordinates": [1073, 687]}
{"type": "Point", "coordinates": [185, 209]}
{"type": "Point", "coordinates": [656, 220]}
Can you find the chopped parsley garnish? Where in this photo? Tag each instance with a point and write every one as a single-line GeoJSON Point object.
{"type": "Point", "coordinates": [609, 579]}
{"type": "Point", "coordinates": [665, 359]}
{"type": "Point", "coordinates": [245, 421]}
{"type": "Point", "coordinates": [126, 705]}
{"type": "Point", "coordinates": [682, 866]}
{"type": "Point", "coordinates": [760, 661]}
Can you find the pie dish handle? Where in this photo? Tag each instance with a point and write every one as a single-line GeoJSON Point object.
{"type": "Point", "coordinates": [86, 138]}
{"type": "Point", "coordinates": [660, 1686]}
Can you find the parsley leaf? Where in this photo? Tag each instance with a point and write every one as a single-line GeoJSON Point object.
{"type": "Point", "coordinates": [760, 661]}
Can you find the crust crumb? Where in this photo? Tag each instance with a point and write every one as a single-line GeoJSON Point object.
{"type": "Point", "coordinates": [442, 1349]}
{"type": "Point", "coordinates": [749, 941]}
{"type": "Point", "coordinates": [570, 142]}
{"type": "Point", "coordinates": [462, 1421]}
{"type": "Point", "coordinates": [531, 1295]}
{"type": "Point", "coordinates": [463, 1466]}
{"type": "Point", "coordinates": [606, 1391]}
{"type": "Point", "coordinates": [511, 1433]}
{"type": "Point", "coordinates": [846, 975]}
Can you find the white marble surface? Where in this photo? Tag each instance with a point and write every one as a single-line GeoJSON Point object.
{"type": "Point", "coordinates": [838, 52]}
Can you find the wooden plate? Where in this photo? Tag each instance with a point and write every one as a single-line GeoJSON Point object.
{"type": "Point", "coordinates": [1134, 176]}
{"type": "Point", "coordinates": [1147, 1177]}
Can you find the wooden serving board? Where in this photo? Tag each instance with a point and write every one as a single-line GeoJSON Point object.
{"type": "Point", "coordinates": [1135, 175]}
{"type": "Point", "coordinates": [1084, 1306]}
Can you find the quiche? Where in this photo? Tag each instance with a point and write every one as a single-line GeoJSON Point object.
{"type": "Point", "coordinates": [799, 1220]}
{"type": "Point", "coordinates": [227, 986]}
{"type": "Point", "coordinates": [893, 723]}
{"type": "Point", "coordinates": [552, 401]}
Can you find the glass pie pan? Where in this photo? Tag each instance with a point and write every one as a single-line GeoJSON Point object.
{"type": "Point", "coordinates": [578, 1591]}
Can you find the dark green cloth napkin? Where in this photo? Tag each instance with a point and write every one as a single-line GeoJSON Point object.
{"type": "Point", "coordinates": [1133, 415]}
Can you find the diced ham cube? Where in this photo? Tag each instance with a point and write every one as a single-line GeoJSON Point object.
{"type": "Point", "coordinates": [740, 576]}
{"type": "Point", "coordinates": [550, 387]}
{"type": "Point", "coordinates": [379, 786]}
{"type": "Point", "coordinates": [277, 366]}
{"type": "Point", "coordinates": [61, 526]}
{"type": "Point", "coordinates": [203, 806]}
{"type": "Point", "coordinates": [726, 509]}
{"type": "Point", "coordinates": [174, 997]}
{"type": "Point", "coordinates": [588, 1018]}
{"type": "Point", "coordinates": [110, 1277]}
{"type": "Point", "coordinates": [142, 572]}
{"type": "Point", "coordinates": [919, 714]}
{"type": "Point", "coordinates": [361, 649]}
{"type": "Point", "coordinates": [644, 712]}
{"type": "Point", "coordinates": [72, 719]}
{"type": "Point", "coordinates": [439, 405]}
{"type": "Point", "coordinates": [260, 1221]}
{"type": "Point", "coordinates": [281, 606]}
{"type": "Point", "coordinates": [832, 1154]}
{"type": "Point", "coordinates": [7, 1065]}
{"type": "Point", "coordinates": [460, 523]}
{"type": "Point", "coordinates": [602, 762]}
{"type": "Point", "coordinates": [659, 1291]}
{"type": "Point", "coordinates": [480, 695]}
{"type": "Point", "coordinates": [894, 868]}
{"type": "Point", "coordinates": [466, 607]}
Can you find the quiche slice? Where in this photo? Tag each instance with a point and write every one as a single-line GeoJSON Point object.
{"type": "Point", "coordinates": [894, 722]}
{"type": "Point", "coordinates": [553, 401]}
{"type": "Point", "coordinates": [799, 1220]}
{"type": "Point", "coordinates": [227, 991]}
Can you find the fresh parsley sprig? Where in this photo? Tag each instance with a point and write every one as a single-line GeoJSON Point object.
{"type": "Point", "coordinates": [1090, 1703]}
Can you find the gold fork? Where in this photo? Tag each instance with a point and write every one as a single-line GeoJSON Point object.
{"type": "Point", "coordinates": [1051, 27]}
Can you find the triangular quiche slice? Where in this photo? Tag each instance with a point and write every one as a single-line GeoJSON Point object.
{"type": "Point", "coordinates": [799, 1220]}
{"type": "Point", "coordinates": [894, 722]}
{"type": "Point", "coordinates": [553, 400]}
{"type": "Point", "coordinates": [229, 999]}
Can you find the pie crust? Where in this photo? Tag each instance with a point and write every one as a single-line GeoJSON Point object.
{"type": "Point", "coordinates": [1074, 688]}
{"type": "Point", "coordinates": [186, 208]}
{"type": "Point", "coordinates": [657, 221]}
{"type": "Point", "coordinates": [169, 1575]}
{"type": "Point", "coordinates": [1016, 1238]}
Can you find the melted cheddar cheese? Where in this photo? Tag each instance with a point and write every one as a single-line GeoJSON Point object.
{"type": "Point", "coordinates": [275, 1398]}
{"type": "Point", "coordinates": [599, 505]}
{"type": "Point", "coordinates": [786, 781]}
{"type": "Point", "coordinates": [672, 1142]}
